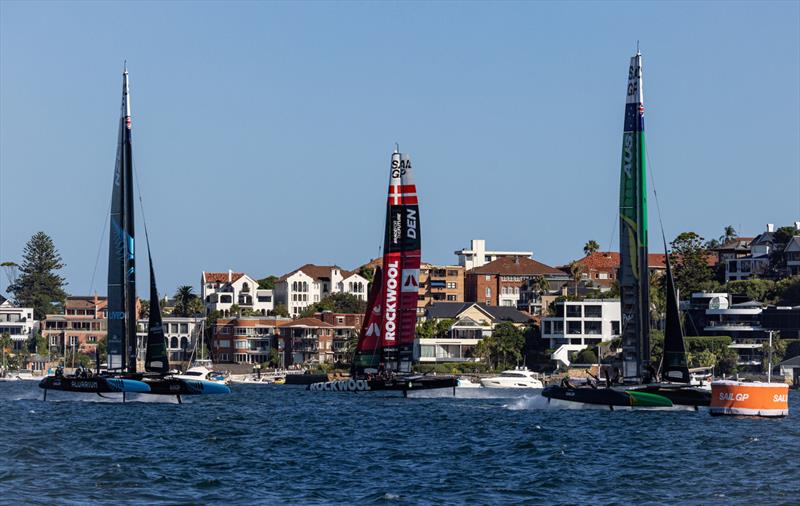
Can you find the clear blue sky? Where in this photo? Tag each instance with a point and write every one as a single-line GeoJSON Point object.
{"type": "Point", "coordinates": [262, 131]}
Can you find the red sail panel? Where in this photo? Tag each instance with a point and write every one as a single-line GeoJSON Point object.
{"type": "Point", "coordinates": [401, 261]}
{"type": "Point", "coordinates": [369, 353]}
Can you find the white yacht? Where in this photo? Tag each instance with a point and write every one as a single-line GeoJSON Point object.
{"type": "Point", "coordinates": [203, 373]}
{"type": "Point", "coordinates": [514, 378]}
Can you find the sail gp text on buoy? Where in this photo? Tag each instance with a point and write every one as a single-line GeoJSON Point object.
{"type": "Point", "coordinates": [350, 385]}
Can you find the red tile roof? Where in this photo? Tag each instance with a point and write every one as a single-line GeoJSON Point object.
{"type": "Point", "coordinates": [307, 322]}
{"type": "Point", "coordinates": [515, 266]}
{"type": "Point", "coordinates": [221, 277]}
{"type": "Point", "coordinates": [609, 260]}
{"type": "Point", "coordinates": [317, 272]}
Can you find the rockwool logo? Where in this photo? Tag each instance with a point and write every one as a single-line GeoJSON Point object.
{"type": "Point", "coordinates": [410, 283]}
{"type": "Point", "coordinates": [391, 301]}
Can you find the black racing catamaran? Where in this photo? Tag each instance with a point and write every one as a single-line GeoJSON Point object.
{"type": "Point", "coordinates": [385, 349]}
{"type": "Point", "coordinates": [639, 385]}
{"type": "Point", "coordinates": [121, 375]}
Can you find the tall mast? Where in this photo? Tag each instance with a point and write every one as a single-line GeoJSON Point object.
{"type": "Point", "coordinates": [633, 272]}
{"type": "Point", "coordinates": [121, 262]}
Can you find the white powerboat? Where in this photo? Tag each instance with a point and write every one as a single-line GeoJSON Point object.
{"type": "Point", "coordinates": [514, 378]}
{"type": "Point", "coordinates": [464, 382]}
{"type": "Point", "coordinates": [203, 373]}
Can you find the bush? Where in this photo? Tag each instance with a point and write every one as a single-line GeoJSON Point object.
{"type": "Point", "coordinates": [586, 356]}
{"type": "Point", "coordinates": [452, 368]}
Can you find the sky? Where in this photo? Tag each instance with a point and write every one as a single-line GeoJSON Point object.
{"type": "Point", "coordinates": [262, 131]}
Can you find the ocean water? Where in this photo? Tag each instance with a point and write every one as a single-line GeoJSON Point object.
{"type": "Point", "coordinates": [268, 444]}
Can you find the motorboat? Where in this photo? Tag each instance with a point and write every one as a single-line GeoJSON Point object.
{"type": "Point", "coordinates": [203, 373]}
{"type": "Point", "coordinates": [514, 378]}
{"type": "Point", "coordinates": [464, 382]}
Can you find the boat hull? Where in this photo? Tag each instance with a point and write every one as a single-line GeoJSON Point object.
{"type": "Point", "coordinates": [679, 395]}
{"type": "Point", "coordinates": [179, 386]}
{"type": "Point", "coordinates": [397, 384]}
{"type": "Point", "coordinates": [96, 384]}
{"type": "Point", "coordinates": [740, 398]}
{"type": "Point", "coordinates": [606, 397]}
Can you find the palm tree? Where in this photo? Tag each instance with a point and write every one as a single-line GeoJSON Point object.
{"type": "Point", "coordinates": [183, 296]}
{"type": "Point", "coordinates": [729, 234]}
{"type": "Point", "coordinates": [542, 285]}
{"type": "Point", "coordinates": [576, 272]}
{"type": "Point", "coordinates": [590, 247]}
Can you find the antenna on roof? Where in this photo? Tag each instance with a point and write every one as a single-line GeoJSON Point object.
{"type": "Point", "coordinates": [396, 147]}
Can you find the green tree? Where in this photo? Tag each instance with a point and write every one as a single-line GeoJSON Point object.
{"type": "Point", "coordinates": [274, 358]}
{"type": "Point", "coordinates": [590, 247]}
{"type": "Point", "coordinates": [183, 297]}
{"type": "Point", "coordinates": [144, 309]}
{"type": "Point", "coordinates": [41, 346]}
{"type": "Point", "coordinates": [38, 286]}
{"type": "Point", "coordinates": [658, 297]}
{"type": "Point", "coordinates": [728, 235]}
{"type": "Point", "coordinates": [367, 273]}
{"type": "Point", "coordinates": [787, 291]}
{"type": "Point", "coordinates": [338, 303]}
{"type": "Point", "coordinates": [690, 263]}
{"type": "Point", "coordinates": [504, 348]}
{"type": "Point", "coordinates": [576, 270]}
{"type": "Point", "coordinates": [267, 283]}
{"type": "Point", "coordinates": [196, 306]}
{"type": "Point", "coordinates": [754, 289]}
{"type": "Point", "coordinates": [5, 346]}
{"type": "Point", "coordinates": [235, 310]}
{"type": "Point", "coordinates": [280, 310]}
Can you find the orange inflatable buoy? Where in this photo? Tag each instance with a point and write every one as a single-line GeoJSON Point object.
{"type": "Point", "coordinates": [749, 398]}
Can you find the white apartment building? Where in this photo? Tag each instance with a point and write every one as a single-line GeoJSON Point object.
{"type": "Point", "coordinates": [312, 283]}
{"type": "Point", "coordinates": [18, 322]}
{"type": "Point", "coordinates": [579, 324]}
{"type": "Point", "coordinates": [477, 254]}
{"type": "Point", "coordinates": [221, 290]}
{"type": "Point", "coordinates": [182, 335]}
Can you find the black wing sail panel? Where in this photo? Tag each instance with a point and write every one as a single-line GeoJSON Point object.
{"type": "Point", "coordinates": [121, 262]}
{"type": "Point", "coordinates": [675, 365]}
{"type": "Point", "coordinates": [156, 359]}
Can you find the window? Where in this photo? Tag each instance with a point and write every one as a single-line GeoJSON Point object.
{"type": "Point", "coordinates": [184, 328]}
{"type": "Point", "coordinates": [488, 277]}
{"type": "Point", "coordinates": [225, 331]}
{"type": "Point", "coordinates": [488, 292]}
{"type": "Point", "coordinates": [91, 339]}
{"type": "Point", "coordinates": [451, 285]}
{"type": "Point", "coordinates": [241, 344]}
{"type": "Point", "coordinates": [224, 343]}
{"type": "Point", "coordinates": [615, 328]}
{"type": "Point", "coordinates": [602, 275]}
{"type": "Point", "coordinates": [451, 297]}
{"type": "Point", "coordinates": [184, 343]}
{"type": "Point", "coordinates": [574, 328]}
{"type": "Point", "coordinates": [173, 343]}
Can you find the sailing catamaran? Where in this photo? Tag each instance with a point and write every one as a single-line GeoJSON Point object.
{"type": "Point", "coordinates": [385, 349]}
{"type": "Point", "coordinates": [639, 383]}
{"type": "Point", "coordinates": [121, 374]}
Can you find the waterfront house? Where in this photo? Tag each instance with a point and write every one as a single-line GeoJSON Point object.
{"type": "Point", "coordinates": [576, 325]}
{"type": "Point", "coordinates": [471, 322]}
{"type": "Point", "coordinates": [220, 291]}
{"type": "Point", "coordinates": [502, 281]}
{"type": "Point", "coordinates": [311, 283]}
{"type": "Point", "coordinates": [18, 323]}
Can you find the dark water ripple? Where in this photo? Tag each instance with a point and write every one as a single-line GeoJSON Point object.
{"type": "Point", "coordinates": [269, 444]}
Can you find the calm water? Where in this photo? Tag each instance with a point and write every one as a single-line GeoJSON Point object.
{"type": "Point", "coordinates": [274, 444]}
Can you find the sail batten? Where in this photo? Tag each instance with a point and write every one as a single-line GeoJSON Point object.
{"type": "Point", "coordinates": [633, 272]}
